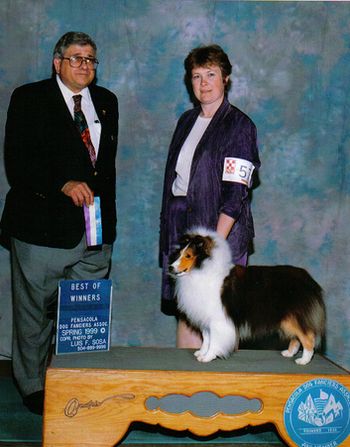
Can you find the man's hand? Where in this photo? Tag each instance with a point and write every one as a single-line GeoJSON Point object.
{"type": "Point", "coordinates": [79, 192]}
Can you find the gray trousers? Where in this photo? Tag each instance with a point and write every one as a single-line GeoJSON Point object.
{"type": "Point", "coordinates": [36, 272]}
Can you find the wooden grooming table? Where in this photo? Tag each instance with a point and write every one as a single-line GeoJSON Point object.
{"type": "Point", "coordinates": [92, 398]}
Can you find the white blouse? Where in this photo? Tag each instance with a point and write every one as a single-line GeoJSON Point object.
{"type": "Point", "coordinates": [184, 161]}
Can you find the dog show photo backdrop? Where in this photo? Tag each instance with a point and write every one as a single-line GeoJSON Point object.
{"type": "Point", "coordinates": [291, 70]}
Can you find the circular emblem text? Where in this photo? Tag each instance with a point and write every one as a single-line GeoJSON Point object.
{"type": "Point", "coordinates": [317, 414]}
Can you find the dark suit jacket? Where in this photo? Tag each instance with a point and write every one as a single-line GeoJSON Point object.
{"type": "Point", "coordinates": [43, 150]}
{"type": "Point", "coordinates": [230, 133]}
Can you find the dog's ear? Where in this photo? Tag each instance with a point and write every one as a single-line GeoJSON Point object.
{"type": "Point", "coordinates": [205, 243]}
{"type": "Point", "coordinates": [208, 245]}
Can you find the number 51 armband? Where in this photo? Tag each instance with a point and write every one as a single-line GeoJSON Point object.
{"type": "Point", "coordinates": [238, 170]}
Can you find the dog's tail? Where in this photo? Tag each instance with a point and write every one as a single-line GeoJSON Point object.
{"type": "Point", "coordinates": [311, 317]}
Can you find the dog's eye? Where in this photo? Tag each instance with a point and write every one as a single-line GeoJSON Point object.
{"type": "Point", "coordinates": [187, 256]}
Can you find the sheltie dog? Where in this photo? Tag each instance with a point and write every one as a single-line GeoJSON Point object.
{"type": "Point", "coordinates": [228, 303]}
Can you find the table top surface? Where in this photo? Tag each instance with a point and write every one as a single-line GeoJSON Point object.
{"type": "Point", "coordinates": [172, 359]}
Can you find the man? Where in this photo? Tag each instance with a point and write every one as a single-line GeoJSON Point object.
{"type": "Point", "coordinates": [56, 171]}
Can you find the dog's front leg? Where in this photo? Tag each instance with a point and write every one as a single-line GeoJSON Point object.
{"type": "Point", "coordinates": [222, 340]}
{"type": "Point", "coordinates": [205, 344]}
{"type": "Point", "coordinates": [212, 346]}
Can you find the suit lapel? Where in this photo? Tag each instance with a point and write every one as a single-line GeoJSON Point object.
{"type": "Point", "coordinates": [102, 112]}
{"type": "Point", "coordinates": [180, 136]}
{"type": "Point", "coordinates": [59, 105]}
{"type": "Point", "coordinates": [99, 108]}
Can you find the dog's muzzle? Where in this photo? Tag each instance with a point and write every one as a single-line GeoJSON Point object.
{"type": "Point", "coordinates": [174, 272]}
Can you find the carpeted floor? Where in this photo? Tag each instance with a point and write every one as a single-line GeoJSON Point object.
{"type": "Point", "coordinates": [19, 427]}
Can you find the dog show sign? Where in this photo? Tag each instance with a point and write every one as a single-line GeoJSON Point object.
{"type": "Point", "coordinates": [317, 414]}
{"type": "Point", "coordinates": [84, 316]}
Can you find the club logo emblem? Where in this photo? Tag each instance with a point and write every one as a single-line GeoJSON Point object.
{"type": "Point", "coordinates": [317, 414]}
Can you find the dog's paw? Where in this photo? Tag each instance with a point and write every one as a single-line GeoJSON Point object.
{"type": "Point", "coordinates": [305, 358]}
{"type": "Point", "coordinates": [201, 351]}
{"type": "Point", "coordinates": [302, 361]}
{"type": "Point", "coordinates": [205, 358]}
{"type": "Point", "coordinates": [287, 353]}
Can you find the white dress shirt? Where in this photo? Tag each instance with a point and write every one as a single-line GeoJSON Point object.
{"type": "Point", "coordinates": [88, 109]}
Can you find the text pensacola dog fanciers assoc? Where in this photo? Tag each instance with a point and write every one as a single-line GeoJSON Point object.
{"type": "Point", "coordinates": [84, 316]}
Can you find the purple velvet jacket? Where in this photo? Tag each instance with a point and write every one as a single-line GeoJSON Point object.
{"type": "Point", "coordinates": [230, 133]}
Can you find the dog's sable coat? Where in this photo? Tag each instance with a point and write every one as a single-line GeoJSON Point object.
{"type": "Point", "coordinates": [227, 303]}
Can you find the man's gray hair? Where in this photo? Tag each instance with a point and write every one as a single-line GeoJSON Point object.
{"type": "Point", "coordinates": [72, 38]}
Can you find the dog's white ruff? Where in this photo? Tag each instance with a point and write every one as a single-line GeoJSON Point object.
{"type": "Point", "coordinates": [199, 297]}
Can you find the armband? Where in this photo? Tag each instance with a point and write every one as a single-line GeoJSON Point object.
{"type": "Point", "coordinates": [238, 170]}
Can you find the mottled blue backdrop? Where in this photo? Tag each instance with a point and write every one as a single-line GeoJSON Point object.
{"type": "Point", "coordinates": [291, 71]}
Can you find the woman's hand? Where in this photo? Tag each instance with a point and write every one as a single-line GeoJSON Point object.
{"type": "Point", "coordinates": [224, 225]}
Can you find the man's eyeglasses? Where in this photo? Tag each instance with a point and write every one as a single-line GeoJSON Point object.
{"type": "Point", "coordinates": [76, 61]}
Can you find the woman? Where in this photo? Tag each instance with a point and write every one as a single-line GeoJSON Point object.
{"type": "Point", "coordinates": [212, 156]}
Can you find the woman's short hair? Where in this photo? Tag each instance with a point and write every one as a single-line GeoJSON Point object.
{"type": "Point", "coordinates": [205, 56]}
{"type": "Point", "coordinates": [72, 38]}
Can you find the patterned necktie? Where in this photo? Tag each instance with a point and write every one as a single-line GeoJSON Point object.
{"type": "Point", "coordinates": [80, 122]}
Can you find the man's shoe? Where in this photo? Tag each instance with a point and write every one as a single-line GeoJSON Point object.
{"type": "Point", "coordinates": [35, 402]}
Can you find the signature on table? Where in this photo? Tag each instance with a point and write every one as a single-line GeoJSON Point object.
{"type": "Point", "coordinates": [73, 405]}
